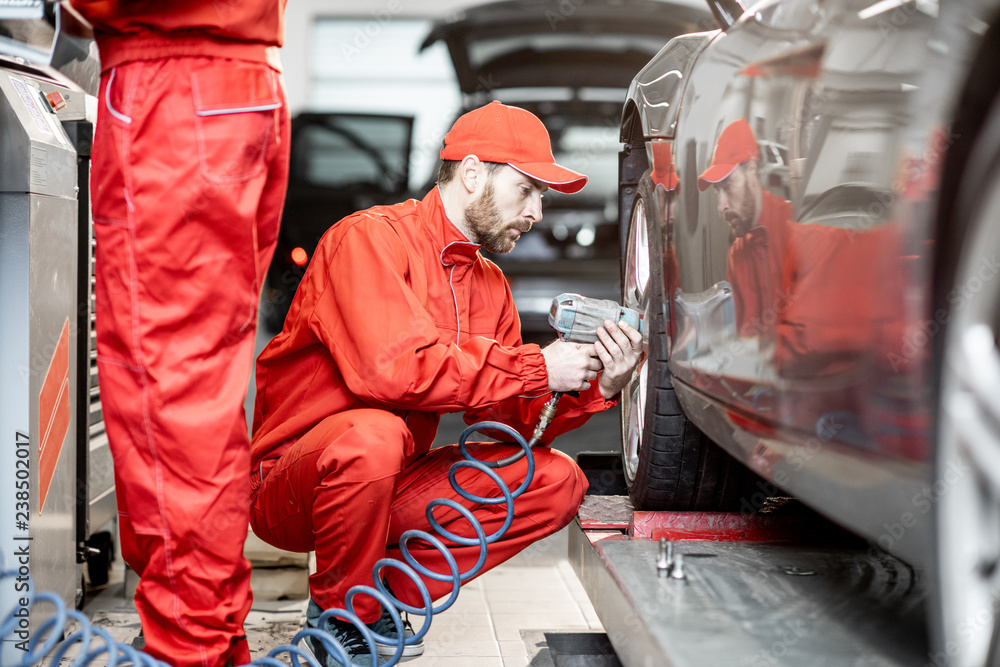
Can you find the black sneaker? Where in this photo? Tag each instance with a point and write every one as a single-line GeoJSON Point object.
{"type": "Point", "coordinates": [387, 628]}
{"type": "Point", "coordinates": [346, 635]}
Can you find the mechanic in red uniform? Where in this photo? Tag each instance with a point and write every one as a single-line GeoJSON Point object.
{"type": "Point", "coordinates": [759, 222]}
{"type": "Point", "coordinates": [398, 320]}
{"type": "Point", "coordinates": [189, 169]}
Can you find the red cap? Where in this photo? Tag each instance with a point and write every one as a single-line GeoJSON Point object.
{"type": "Point", "coordinates": [510, 135]}
{"type": "Point", "coordinates": [664, 171]}
{"type": "Point", "coordinates": [736, 145]}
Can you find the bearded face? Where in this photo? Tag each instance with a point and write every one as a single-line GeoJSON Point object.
{"type": "Point", "coordinates": [489, 226]}
{"type": "Point", "coordinates": [739, 197]}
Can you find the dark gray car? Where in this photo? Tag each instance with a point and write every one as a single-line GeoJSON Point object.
{"type": "Point", "coordinates": [812, 197]}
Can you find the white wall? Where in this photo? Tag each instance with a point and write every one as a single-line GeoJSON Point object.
{"type": "Point", "coordinates": [368, 62]}
{"type": "Point", "coordinates": [299, 17]}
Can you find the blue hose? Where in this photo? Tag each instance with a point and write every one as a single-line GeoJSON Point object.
{"type": "Point", "coordinates": [94, 643]}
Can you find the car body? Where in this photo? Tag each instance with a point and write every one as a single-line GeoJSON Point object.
{"type": "Point", "coordinates": [569, 63]}
{"type": "Point", "coordinates": [340, 163]}
{"type": "Point", "coordinates": [865, 382]}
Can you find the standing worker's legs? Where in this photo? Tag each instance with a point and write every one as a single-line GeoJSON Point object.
{"type": "Point", "coordinates": [188, 189]}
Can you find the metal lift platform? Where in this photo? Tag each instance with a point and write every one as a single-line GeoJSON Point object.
{"type": "Point", "coordinates": [778, 588]}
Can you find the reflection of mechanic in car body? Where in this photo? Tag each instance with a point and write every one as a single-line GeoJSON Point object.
{"type": "Point", "coordinates": [399, 320]}
{"type": "Point", "coordinates": [667, 187]}
{"type": "Point", "coordinates": [759, 221]}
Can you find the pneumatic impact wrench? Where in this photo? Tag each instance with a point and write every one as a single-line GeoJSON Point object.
{"type": "Point", "coordinates": [576, 319]}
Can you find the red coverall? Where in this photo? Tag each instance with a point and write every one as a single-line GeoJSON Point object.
{"type": "Point", "coordinates": [190, 167]}
{"type": "Point", "coordinates": [397, 321]}
{"type": "Point", "coordinates": [756, 270]}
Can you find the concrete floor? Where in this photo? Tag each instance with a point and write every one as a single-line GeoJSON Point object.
{"type": "Point", "coordinates": [505, 618]}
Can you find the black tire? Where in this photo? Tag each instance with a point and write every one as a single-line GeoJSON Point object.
{"type": "Point", "coordinates": [99, 562]}
{"type": "Point", "coordinates": [669, 463]}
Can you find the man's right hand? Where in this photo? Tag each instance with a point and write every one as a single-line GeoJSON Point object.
{"type": "Point", "coordinates": [571, 366]}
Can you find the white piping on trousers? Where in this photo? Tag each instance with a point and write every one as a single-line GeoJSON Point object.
{"type": "Point", "coordinates": [222, 112]}
{"type": "Point", "coordinates": [107, 100]}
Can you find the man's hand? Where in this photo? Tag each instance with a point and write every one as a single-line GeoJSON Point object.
{"type": "Point", "coordinates": [619, 347]}
{"type": "Point", "coordinates": [571, 366]}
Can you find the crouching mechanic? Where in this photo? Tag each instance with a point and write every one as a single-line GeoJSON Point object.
{"type": "Point", "coordinates": [397, 321]}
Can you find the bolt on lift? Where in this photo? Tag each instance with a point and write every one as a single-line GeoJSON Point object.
{"type": "Point", "coordinates": [781, 587]}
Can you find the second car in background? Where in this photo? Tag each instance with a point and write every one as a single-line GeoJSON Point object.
{"type": "Point", "coordinates": [340, 163]}
{"type": "Point", "coordinates": [569, 63]}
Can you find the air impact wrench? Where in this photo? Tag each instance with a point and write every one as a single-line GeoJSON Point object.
{"type": "Point", "coordinates": [576, 319]}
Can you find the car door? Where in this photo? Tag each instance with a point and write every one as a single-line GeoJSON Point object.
{"type": "Point", "coordinates": [792, 273]}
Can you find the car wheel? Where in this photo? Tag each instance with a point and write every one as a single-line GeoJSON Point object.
{"type": "Point", "coordinates": [967, 476]}
{"type": "Point", "coordinates": [669, 463]}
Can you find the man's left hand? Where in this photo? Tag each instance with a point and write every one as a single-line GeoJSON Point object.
{"type": "Point", "coordinates": [619, 347]}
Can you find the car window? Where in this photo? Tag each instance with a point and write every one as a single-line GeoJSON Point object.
{"type": "Point", "coordinates": [353, 151]}
{"type": "Point", "coordinates": [581, 226]}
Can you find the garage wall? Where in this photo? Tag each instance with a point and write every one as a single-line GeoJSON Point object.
{"type": "Point", "coordinates": [368, 66]}
{"type": "Point", "coordinates": [363, 57]}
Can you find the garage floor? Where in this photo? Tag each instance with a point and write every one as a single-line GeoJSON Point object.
{"type": "Point", "coordinates": [530, 611]}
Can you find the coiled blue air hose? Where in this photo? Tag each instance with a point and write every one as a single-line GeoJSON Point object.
{"type": "Point", "coordinates": [94, 643]}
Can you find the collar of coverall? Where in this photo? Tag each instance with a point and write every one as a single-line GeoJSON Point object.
{"type": "Point", "coordinates": [454, 247]}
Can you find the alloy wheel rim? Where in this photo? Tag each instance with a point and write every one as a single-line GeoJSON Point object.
{"type": "Point", "coordinates": [968, 483]}
{"type": "Point", "coordinates": [636, 296]}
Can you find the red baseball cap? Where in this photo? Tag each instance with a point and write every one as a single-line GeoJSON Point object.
{"type": "Point", "coordinates": [735, 146]}
{"type": "Point", "coordinates": [664, 171]}
{"type": "Point", "coordinates": [510, 135]}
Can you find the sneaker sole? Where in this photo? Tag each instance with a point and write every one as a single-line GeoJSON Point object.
{"type": "Point", "coordinates": [308, 649]}
{"type": "Point", "coordinates": [409, 651]}
{"type": "Point", "coordinates": [304, 647]}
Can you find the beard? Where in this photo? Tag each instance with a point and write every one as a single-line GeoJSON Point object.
{"type": "Point", "coordinates": [487, 226]}
{"type": "Point", "coordinates": [740, 217]}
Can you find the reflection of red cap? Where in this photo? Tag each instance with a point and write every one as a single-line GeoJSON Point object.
{"type": "Point", "coordinates": [664, 171]}
{"type": "Point", "coordinates": [735, 146]}
{"type": "Point", "coordinates": [510, 135]}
